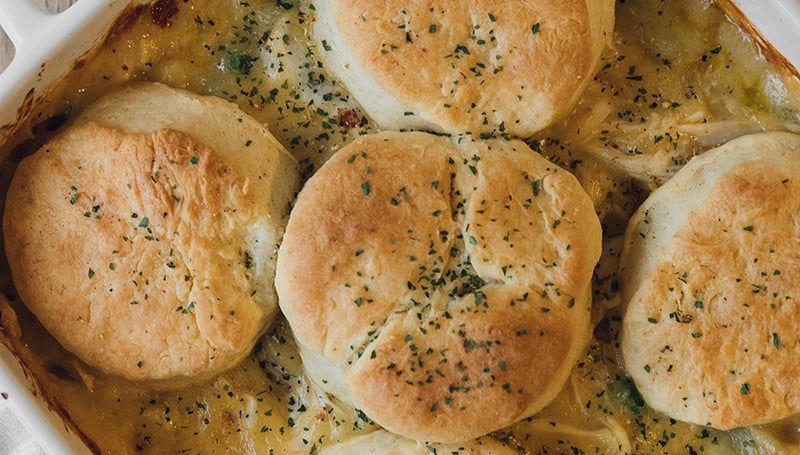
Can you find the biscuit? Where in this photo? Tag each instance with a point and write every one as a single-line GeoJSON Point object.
{"type": "Point", "coordinates": [440, 286]}
{"type": "Point", "coordinates": [479, 67]}
{"type": "Point", "coordinates": [709, 272]}
{"type": "Point", "coordinates": [385, 443]}
{"type": "Point", "coordinates": [144, 236]}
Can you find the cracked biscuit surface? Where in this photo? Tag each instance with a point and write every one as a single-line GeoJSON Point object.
{"type": "Point", "coordinates": [440, 286]}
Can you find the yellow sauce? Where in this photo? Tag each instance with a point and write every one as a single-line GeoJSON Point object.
{"type": "Point", "coordinates": [679, 78]}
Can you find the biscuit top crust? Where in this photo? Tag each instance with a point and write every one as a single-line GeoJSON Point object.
{"type": "Point", "coordinates": [441, 288]}
{"type": "Point", "coordinates": [476, 66]}
{"type": "Point", "coordinates": [710, 330]}
{"type": "Point", "coordinates": [149, 252]}
{"type": "Point", "coordinates": [127, 248]}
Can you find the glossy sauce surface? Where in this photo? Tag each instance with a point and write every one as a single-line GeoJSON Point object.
{"type": "Point", "coordinates": [679, 78]}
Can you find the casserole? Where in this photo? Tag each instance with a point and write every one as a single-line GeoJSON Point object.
{"type": "Point", "coordinates": [85, 25]}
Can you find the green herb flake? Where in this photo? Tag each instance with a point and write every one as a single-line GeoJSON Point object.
{"type": "Point", "coordinates": [74, 196]}
{"type": "Point", "coordinates": [535, 28]}
{"type": "Point", "coordinates": [536, 186]}
{"type": "Point", "coordinates": [365, 188]}
{"type": "Point", "coordinates": [744, 389]}
{"type": "Point", "coordinates": [461, 49]}
{"type": "Point", "coordinates": [240, 63]}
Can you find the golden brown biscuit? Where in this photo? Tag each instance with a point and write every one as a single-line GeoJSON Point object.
{"type": "Point", "coordinates": [440, 287]}
{"type": "Point", "coordinates": [710, 267]}
{"type": "Point", "coordinates": [479, 67]}
{"type": "Point", "coordinates": [144, 237]}
{"type": "Point", "coordinates": [385, 443]}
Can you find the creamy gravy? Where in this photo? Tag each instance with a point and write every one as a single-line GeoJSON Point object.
{"type": "Point", "coordinates": [679, 78]}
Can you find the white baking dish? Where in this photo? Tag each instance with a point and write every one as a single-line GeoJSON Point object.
{"type": "Point", "coordinates": [778, 21]}
{"type": "Point", "coordinates": [47, 44]}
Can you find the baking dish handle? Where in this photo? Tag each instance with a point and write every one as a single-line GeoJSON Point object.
{"type": "Point", "coordinates": [28, 26]}
{"type": "Point", "coordinates": [44, 46]}
{"type": "Point", "coordinates": [21, 19]}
